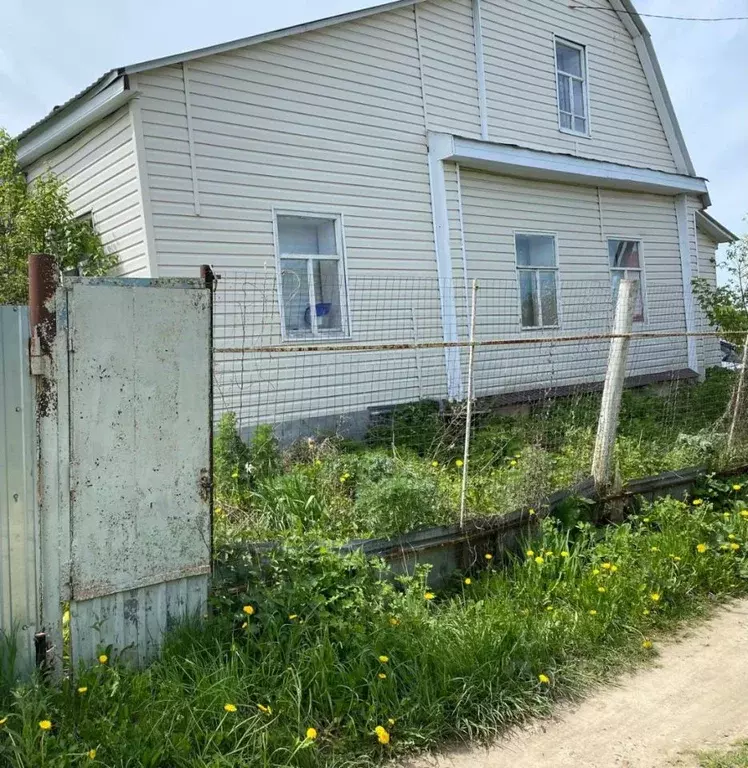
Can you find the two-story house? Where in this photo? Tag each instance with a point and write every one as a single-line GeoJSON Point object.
{"type": "Point", "coordinates": [370, 166]}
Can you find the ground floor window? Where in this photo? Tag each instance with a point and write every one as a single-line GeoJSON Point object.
{"type": "Point", "coordinates": [312, 278]}
{"type": "Point", "coordinates": [626, 264]}
{"type": "Point", "coordinates": [537, 274]}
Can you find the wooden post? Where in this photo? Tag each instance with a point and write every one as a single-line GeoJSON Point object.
{"type": "Point", "coordinates": [469, 415]}
{"type": "Point", "coordinates": [739, 395]}
{"type": "Point", "coordinates": [602, 462]}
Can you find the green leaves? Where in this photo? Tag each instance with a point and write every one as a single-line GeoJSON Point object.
{"type": "Point", "coordinates": [37, 218]}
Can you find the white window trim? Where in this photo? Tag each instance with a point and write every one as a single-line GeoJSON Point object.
{"type": "Point", "coordinates": [345, 332]}
{"type": "Point", "coordinates": [518, 269]}
{"type": "Point", "coordinates": [642, 272]}
{"type": "Point", "coordinates": [585, 84]}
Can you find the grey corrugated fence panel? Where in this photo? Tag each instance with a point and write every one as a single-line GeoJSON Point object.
{"type": "Point", "coordinates": [18, 530]}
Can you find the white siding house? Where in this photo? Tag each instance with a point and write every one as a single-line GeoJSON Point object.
{"type": "Point", "coordinates": [385, 159]}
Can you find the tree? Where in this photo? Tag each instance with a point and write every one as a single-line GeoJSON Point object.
{"type": "Point", "coordinates": [37, 219]}
{"type": "Point", "coordinates": [726, 306]}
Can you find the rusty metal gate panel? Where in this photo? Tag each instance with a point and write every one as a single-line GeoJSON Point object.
{"type": "Point", "coordinates": [18, 527]}
{"type": "Point", "coordinates": [133, 374]}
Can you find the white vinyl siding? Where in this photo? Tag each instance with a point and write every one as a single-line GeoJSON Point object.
{"type": "Point", "coordinates": [328, 121]}
{"type": "Point", "coordinates": [445, 29]}
{"type": "Point", "coordinates": [710, 353]}
{"type": "Point", "coordinates": [496, 207]}
{"type": "Point", "coordinates": [100, 173]}
{"type": "Point", "coordinates": [518, 40]}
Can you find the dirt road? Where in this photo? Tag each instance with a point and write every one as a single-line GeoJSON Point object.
{"type": "Point", "coordinates": [694, 697]}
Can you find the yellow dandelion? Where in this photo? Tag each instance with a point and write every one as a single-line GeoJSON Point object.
{"type": "Point", "coordinates": [530, 553]}
{"type": "Point", "coordinates": [647, 644]}
{"type": "Point", "coordinates": [488, 556]}
{"type": "Point", "coordinates": [549, 608]}
{"type": "Point", "coordinates": [593, 612]}
{"type": "Point", "coordinates": [645, 519]}
{"type": "Point", "coordinates": [82, 689]}
{"type": "Point", "coordinates": [596, 572]}
{"type": "Point", "coordinates": [544, 679]}
{"type": "Point", "coordinates": [613, 568]}
{"type": "Point", "coordinates": [654, 549]}
{"type": "Point", "coordinates": [468, 581]}
{"type": "Point", "coordinates": [230, 707]}
{"type": "Point", "coordinates": [292, 616]}
{"type": "Point", "coordinates": [655, 597]}
{"type": "Point", "coordinates": [564, 554]}
{"type": "Point", "coordinates": [601, 589]}
{"type": "Point", "coordinates": [382, 676]}
{"type": "Point", "coordinates": [726, 515]}
{"type": "Point", "coordinates": [459, 462]}
{"type": "Point", "coordinates": [265, 710]}
{"type": "Point", "coordinates": [92, 754]}
{"type": "Point", "coordinates": [384, 659]}
{"type": "Point", "coordinates": [391, 721]}
{"type": "Point", "coordinates": [317, 463]}
{"type": "Point", "coordinates": [434, 463]}
{"type": "Point", "coordinates": [549, 553]}
{"type": "Point", "coordinates": [311, 734]}
{"type": "Point", "coordinates": [235, 474]}
{"type": "Point", "coordinates": [734, 546]}
{"type": "Point", "coordinates": [744, 512]}
{"type": "Point", "coordinates": [646, 611]}
{"type": "Point", "coordinates": [697, 502]}
{"type": "Point", "coordinates": [393, 621]}
{"type": "Point", "coordinates": [737, 487]}
{"type": "Point", "coordinates": [701, 548]}
{"type": "Point", "coordinates": [382, 735]}
{"type": "Point", "coordinates": [513, 463]}
{"type": "Point", "coordinates": [606, 566]}
{"type": "Point", "coordinates": [429, 596]}
{"type": "Point", "coordinates": [249, 610]}
{"type": "Point", "coordinates": [45, 725]}
{"type": "Point", "coordinates": [103, 658]}
{"type": "Point", "coordinates": [530, 511]}
{"type": "Point", "coordinates": [539, 560]}
{"type": "Point", "coordinates": [731, 536]}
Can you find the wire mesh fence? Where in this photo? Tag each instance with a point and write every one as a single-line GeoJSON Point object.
{"type": "Point", "coordinates": [356, 424]}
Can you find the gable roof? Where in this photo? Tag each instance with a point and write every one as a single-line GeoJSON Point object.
{"type": "Point", "coordinates": [26, 154]}
{"type": "Point", "coordinates": [713, 229]}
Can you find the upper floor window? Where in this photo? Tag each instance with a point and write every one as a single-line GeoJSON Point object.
{"type": "Point", "coordinates": [626, 264]}
{"type": "Point", "coordinates": [571, 79]}
{"type": "Point", "coordinates": [537, 272]}
{"type": "Point", "coordinates": [312, 275]}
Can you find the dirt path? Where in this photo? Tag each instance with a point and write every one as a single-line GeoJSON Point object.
{"type": "Point", "coordinates": [694, 697]}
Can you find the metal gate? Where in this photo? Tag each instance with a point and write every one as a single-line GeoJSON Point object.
{"type": "Point", "coordinates": [117, 446]}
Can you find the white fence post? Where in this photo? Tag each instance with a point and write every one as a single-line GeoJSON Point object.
{"type": "Point", "coordinates": [602, 462]}
{"type": "Point", "coordinates": [469, 415]}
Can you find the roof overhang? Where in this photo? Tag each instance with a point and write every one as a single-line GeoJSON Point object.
{"type": "Point", "coordinates": [106, 96]}
{"type": "Point", "coordinates": [713, 229]}
{"type": "Point", "coordinates": [511, 160]}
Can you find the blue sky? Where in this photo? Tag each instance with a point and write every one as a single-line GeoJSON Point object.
{"type": "Point", "coordinates": [49, 50]}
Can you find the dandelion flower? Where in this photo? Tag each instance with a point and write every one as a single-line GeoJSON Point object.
{"type": "Point", "coordinates": [737, 487]}
{"type": "Point", "coordinates": [744, 512]}
{"type": "Point", "coordinates": [601, 589]}
{"type": "Point", "coordinates": [646, 611]}
{"type": "Point", "coordinates": [488, 556]}
{"type": "Point", "coordinates": [235, 474]}
{"type": "Point", "coordinates": [311, 733]}
{"type": "Point", "coordinates": [382, 676]}
{"type": "Point", "coordinates": [45, 725]}
{"type": "Point", "coordinates": [429, 596]}
{"type": "Point", "coordinates": [701, 548]}
{"type": "Point", "coordinates": [564, 554]}
{"type": "Point", "coordinates": [645, 519]}
{"type": "Point", "coordinates": [459, 463]}
{"type": "Point", "coordinates": [539, 560]}
{"type": "Point", "coordinates": [230, 707]}
{"type": "Point", "coordinates": [549, 552]}
{"type": "Point", "coordinates": [544, 679]}
{"type": "Point", "coordinates": [530, 553]}
{"type": "Point", "coordinates": [654, 549]}
{"type": "Point", "coordinates": [384, 659]}
{"type": "Point", "coordinates": [434, 463]}
{"type": "Point", "coordinates": [726, 515]}
{"type": "Point", "coordinates": [655, 597]}
{"type": "Point", "coordinates": [82, 689]}
{"type": "Point", "coordinates": [613, 568]}
{"type": "Point", "coordinates": [382, 734]}
{"type": "Point", "coordinates": [468, 581]}
{"type": "Point", "coordinates": [292, 616]}
{"type": "Point", "coordinates": [647, 644]}
{"type": "Point", "coordinates": [103, 658]}
{"type": "Point", "coordinates": [393, 621]}
{"type": "Point", "coordinates": [731, 536]}
{"type": "Point", "coordinates": [390, 721]}
{"type": "Point", "coordinates": [593, 612]}
{"type": "Point", "coordinates": [264, 709]}
{"type": "Point", "coordinates": [530, 511]}
{"type": "Point", "coordinates": [513, 463]}
{"type": "Point", "coordinates": [697, 502]}
{"type": "Point", "coordinates": [249, 610]}
{"type": "Point", "coordinates": [92, 754]}
{"type": "Point", "coordinates": [549, 608]}
{"type": "Point", "coordinates": [606, 566]}
{"type": "Point", "coordinates": [342, 478]}
{"type": "Point", "coordinates": [596, 572]}
{"type": "Point", "coordinates": [734, 546]}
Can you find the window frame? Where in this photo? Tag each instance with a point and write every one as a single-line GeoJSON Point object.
{"type": "Point", "coordinates": [519, 269]}
{"type": "Point", "coordinates": [585, 87]}
{"type": "Point", "coordinates": [642, 273]}
{"type": "Point", "coordinates": [314, 334]}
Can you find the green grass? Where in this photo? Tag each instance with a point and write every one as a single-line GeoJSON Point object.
{"type": "Point", "coordinates": [737, 757]}
{"type": "Point", "coordinates": [570, 610]}
{"type": "Point", "coordinates": [406, 474]}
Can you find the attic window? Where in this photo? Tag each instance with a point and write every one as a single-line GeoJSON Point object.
{"type": "Point", "coordinates": [571, 83]}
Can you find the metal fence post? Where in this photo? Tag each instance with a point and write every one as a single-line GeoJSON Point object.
{"type": "Point", "coordinates": [602, 462]}
{"type": "Point", "coordinates": [469, 414]}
